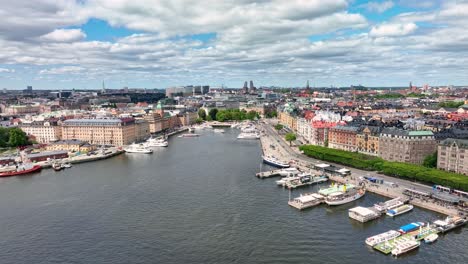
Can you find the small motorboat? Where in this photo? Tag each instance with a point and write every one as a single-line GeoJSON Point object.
{"type": "Point", "coordinates": [57, 166]}
{"type": "Point", "coordinates": [431, 238]}
{"type": "Point", "coordinates": [66, 165]}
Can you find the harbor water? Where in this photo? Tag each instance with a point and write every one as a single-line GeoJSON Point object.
{"type": "Point", "coordinates": [196, 201]}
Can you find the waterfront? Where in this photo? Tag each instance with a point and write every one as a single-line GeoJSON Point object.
{"type": "Point", "coordinates": [196, 201]}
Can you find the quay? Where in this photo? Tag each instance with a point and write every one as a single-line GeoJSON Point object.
{"type": "Point", "coordinates": [274, 144]}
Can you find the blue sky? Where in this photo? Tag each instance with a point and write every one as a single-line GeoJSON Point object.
{"type": "Point", "coordinates": [275, 43]}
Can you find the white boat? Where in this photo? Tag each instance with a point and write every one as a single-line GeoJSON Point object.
{"type": "Point", "coordinates": [249, 136]}
{"type": "Point", "coordinates": [431, 238]}
{"type": "Point", "coordinates": [383, 237]}
{"type": "Point", "coordinates": [190, 135]}
{"type": "Point", "coordinates": [218, 130]}
{"type": "Point", "coordinates": [405, 246]}
{"type": "Point", "coordinates": [390, 204]}
{"type": "Point", "coordinates": [400, 210]}
{"type": "Point", "coordinates": [363, 214]}
{"type": "Point", "coordinates": [451, 222]}
{"type": "Point", "coordinates": [289, 172]}
{"type": "Point", "coordinates": [153, 142]}
{"type": "Point", "coordinates": [306, 201]}
{"type": "Point", "coordinates": [66, 165]}
{"type": "Point", "coordinates": [273, 161]}
{"type": "Point", "coordinates": [285, 180]}
{"type": "Point", "coordinates": [138, 148]}
{"type": "Point", "coordinates": [345, 196]}
{"type": "Point", "coordinates": [304, 180]}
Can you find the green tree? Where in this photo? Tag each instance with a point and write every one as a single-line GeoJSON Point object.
{"type": "Point", "coordinates": [451, 104]}
{"type": "Point", "coordinates": [17, 137]}
{"type": "Point", "coordinates": [271, 114]}
{"type": "Point", "coordinates": [290, 137]}
{"type": "Point", "coordinates": [430, 161]}
{"type": "Point", "coordinates": [251, 115]}
{"type": "Point", "coordinates": [4, 137]}
{"type": "Point", "coordinates": [213, 113]}
{"type": "Point", "coordinates": [202, 114]}
{"type": "Point", "coordinates": [199, 120]}
{"type": "Point", "coordinates": [278, 127]}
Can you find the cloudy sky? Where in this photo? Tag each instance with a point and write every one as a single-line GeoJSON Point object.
{"type": "Point", "coordinates": [160, 43]}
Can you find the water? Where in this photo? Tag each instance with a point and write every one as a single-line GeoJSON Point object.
{"type": "Point", "coordinates": [195, 202]}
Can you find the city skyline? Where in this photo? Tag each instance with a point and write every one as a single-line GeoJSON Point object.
{"type": "Point", "coordinates": [80, 44]}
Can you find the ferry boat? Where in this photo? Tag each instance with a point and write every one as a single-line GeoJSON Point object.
{"type": "Point", "coordinates": [291, 171]}
{"type": "Point", "coordinates": [451, 222]}
{"type": "Point", "coordinates": [270, 160]}
{"type": "Point", "coordinates": [306, 201]}
{"type": "Point", "coordinates": [334, 188]}
{"type": "Point", "coordinates": [345, 196]}
{"type": "Point", "coordinates": [190, 135]}
{"type": "Point", "coordinates": [138, 148]}
{"type": "Point", "coordinates": [405, 246]}
{"type": "Point", "coordinates": [363, 214]}
{"type": "Point", "coordinates": [21, 170]}
{"type": "Point", "coordinates": [431, 238]}
{"type": "Point", "coordinates": [410, 227]}
{"type": "Point", "coordinates": [153, 142]}
{"type": "Point", "coordinates": [388, 205]}
{"type": "Point", "coordinates": [248, 136]}
{"type": "Point", "coordinates": [400, 210]}
{"type": "Point", "coordinates": [383, 237]}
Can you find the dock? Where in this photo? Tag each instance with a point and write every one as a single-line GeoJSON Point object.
{"type": "Point", "coordinates": [268, 174]}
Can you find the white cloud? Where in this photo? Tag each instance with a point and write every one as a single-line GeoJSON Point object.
{"type": "Point", "coordinates": [379, 7]}
{"type": "Point", "coordinates": [63, 70]}
{"type": "Point", "coordinates": [5, 70]}
{"type": "Point", "coordinates": [64, 35]}
{"type": "Point", "coordinates": [393, 30]}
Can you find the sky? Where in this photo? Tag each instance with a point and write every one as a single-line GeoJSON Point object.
{"type": "Point", "coordinates": [60, 44]}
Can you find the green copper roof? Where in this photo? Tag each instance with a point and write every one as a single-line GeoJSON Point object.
{"type": "Point", "coordinates": [421, 133]}
{"type": "Point", "coordinates": [159, 106]}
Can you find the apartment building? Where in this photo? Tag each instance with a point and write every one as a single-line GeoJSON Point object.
{"type": "Point", "coordinates": [343, 137]}
{"type": "Point", "coordinates": [452, 155]}
{"type": "Point", "coordinates": [43, 132]}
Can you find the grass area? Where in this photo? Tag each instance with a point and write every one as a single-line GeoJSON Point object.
{"type": "Point", "coordinates": [390, 168]}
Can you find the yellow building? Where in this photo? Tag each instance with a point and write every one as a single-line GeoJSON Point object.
{"type": "Point", "coordinates": [72, 145]}
{"type": "Point", "coordinates": [288, 120]}
{"type": "Point", "coordinates": [43, 132]}
{"type": "Point", "coordinates": [367, 141]}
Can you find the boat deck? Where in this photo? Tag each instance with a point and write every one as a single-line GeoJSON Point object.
{"type": "Point", "coordinates": [387, 247]}
{"type": "Point", "coordinates": [268, 174]}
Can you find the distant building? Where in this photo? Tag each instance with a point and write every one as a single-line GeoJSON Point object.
{"type": "Point", "coordinates": [43, 132]}
{"type": "Point", "coordinates": [22, 109]}
{"type": "Point", "coordinates": [452, 155]}
{"type": "Point", "coordinates": [343, 137]}
{"type": "Point", "coordinates": [72, 145]}
{"type": "Point", "coordinates": [48, 155]}
{"type": "Point", "coordinates": [116, 132]}
{"type": "Point", "coordinates": [406, 146]}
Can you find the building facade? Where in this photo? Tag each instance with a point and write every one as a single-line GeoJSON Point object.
{"type": "Point", "coordinates": [452, 155]}
{"type": "Point", "coordinates": [406, 146]}
{"type": "Point", "coordinates": [43, 132]}
{"type": "Point", "coordinates": [72, 145]}
{"type": "Point", "coordinates": [343, 137]}
{"type": "Point", "coordinates": [116, 132]}
{"type": "Point", "coordinates": [319, 132]}
{"type": "Point", "coordinates": [367, 140]}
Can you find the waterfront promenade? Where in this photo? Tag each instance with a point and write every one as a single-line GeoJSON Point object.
{"type": "Point", "coordinates": [274, 144]}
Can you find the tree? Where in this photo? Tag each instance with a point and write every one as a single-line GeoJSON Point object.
{"type": "Point", "coordinates": [290, 137]}
{"type": "Point", "coordinates": [430, 161]}
{"type": "Point", "coordinates": [251, 115]}
{"type": "Point", "coordinates": [221, 116]}
{"type": "Point", "coordinates": [4, 137]}
{"type": "Point", "coordinates": [213, 113]}
{"type": "Point", "coordinates": [199, 120]}
{"type": "Point", "coordinates": [271, 114]}
{"type": "Point", "coordinates": [17, 137]}
{"type": "Point", "coordinates": [202, 114]}
{"type": "Point", "coordinates": [278, 127]}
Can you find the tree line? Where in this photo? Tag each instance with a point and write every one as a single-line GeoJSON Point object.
{"type": "Point", "coordinates": [13, 137]}
{"type": "Point", "coordinates": [390, 168]}
{"type": "Point", "coordinates": [226, 115]}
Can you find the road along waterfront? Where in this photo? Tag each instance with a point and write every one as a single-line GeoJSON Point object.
{"type": "Point", "coordinates": [195, 201]}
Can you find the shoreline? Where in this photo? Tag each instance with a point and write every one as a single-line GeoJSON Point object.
{"type": "Point", "coordinates": [267, 141]}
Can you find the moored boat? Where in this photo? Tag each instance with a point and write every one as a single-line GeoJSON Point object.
{"type": "Point", "coordinates": [189, 135]}
{"type": "Point", "coordinates": [345, 196]}
{"type": "Point", "coordinates": [410, 227]}
{"type": "Point", "coordinates": [21, 170]}
{"type": "Point", "coordinates": [217, 130]}
{"type": "Point", "coordinates": [388, 205]}
{"type": "Point", "coordinates": [306, 201]}
{"type": "Point", "coordinates": [400, 210]}
{"type": "Point", "coordinates": [273, 161]}
{"type": "Point", "coordinates": [363, 214]}
{"type": "Point", "coordinates": [451, 222]}
{"type": "Point", "coordinates": [138, 148]}
{"type": "Point", "coordinates": [153, 142]}
{"type": "Point", "coordinates": [383, 237]}
{"type": "Point", "coordinates": [248, 136]}
{"type": "Point", "coordinates": [431, 238]}
{"type": "Point", "coordinates": [405, 246]}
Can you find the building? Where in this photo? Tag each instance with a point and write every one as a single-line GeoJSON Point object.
{"type": "Point", "coordinates": [319, 132]}
{"type": "Point", "coordinates": [304, 129]}
{"type": "Point", "coordinates": [343, 137]}
{"type": "Point", "coordinates": [116, 132]}
{"type": "Point", "coordinates": [288, 119]}
{"type": "Point", "coordinates": [48, 155]}
{"type": "Point", "coordinates": [452, 155]}
{"type": "Point", "coordinates": [22, 109]}
{"type": "Point", "coordinates": [72, 145]}
{"type": "Point", "coordinates": [406, 146]}
{"type": "Point", "coordinates": [43, 132]}
{"type": "Point", "coordinates": [367, 140]}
